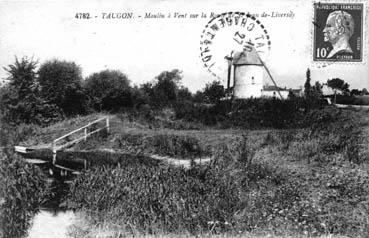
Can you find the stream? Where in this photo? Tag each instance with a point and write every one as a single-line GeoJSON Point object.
{"type": "Point", "coordinates": [50, 223]}
{"type": "Point", "coordinates": [52, 220]}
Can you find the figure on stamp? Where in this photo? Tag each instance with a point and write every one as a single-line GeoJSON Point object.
{"type": "Point", "coordinates": [338, 30]}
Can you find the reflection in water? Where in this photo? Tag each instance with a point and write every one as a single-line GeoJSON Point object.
{"type": "Point", "coordinates": [47, 224]}
{"type": "Point", "coordinates": [52, 220]}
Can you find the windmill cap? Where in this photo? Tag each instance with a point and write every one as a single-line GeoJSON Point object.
{"type": "Point", "coordinates": [248, 56]}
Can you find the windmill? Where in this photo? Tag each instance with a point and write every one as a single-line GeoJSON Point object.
{"type": "Point", "coordinates": [247, 73]}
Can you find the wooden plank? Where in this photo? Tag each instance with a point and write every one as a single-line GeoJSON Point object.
{"type": "Point", "coordinates": [78, 139]}
{"type": "Point", "coordinates": [88, 134]}
{"type": "Point", "coordinates": [65, 168]}
{"type": "Point", "coordinates": [39, 147]}
{"type": "Point", "coordinates": [70, 143]}
{"type": "Point", "coordinates": [35, 161]}
{"type": "Point", "coordinates": [20, 149]}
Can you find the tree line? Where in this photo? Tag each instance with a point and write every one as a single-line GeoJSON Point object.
{"type": "Point", "coordinates": [335, 84]}
{"type": "Point", "coordinates": [49, 92]}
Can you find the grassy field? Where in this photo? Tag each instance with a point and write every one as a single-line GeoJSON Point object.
{"type": "Point", "coordinates": [303, 182]}
{"type": "Point", "coordinates": [308, 182]}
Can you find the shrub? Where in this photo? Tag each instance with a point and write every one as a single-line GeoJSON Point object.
{"type": "Point", "coordinates": [213, 92]}
{"type": "Point", "coordinates": [246, 113]}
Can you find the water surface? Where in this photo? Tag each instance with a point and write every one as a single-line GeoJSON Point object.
{"type": "Point", "coordinates": [51, 224]}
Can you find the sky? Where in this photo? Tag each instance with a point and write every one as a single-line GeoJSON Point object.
{"type": "Point", "coordinates": [144, 47]}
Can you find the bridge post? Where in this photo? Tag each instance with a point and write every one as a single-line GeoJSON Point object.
{"type": "Point", "coordinates": [86, 133]}
{"type": "Point", "coordinates": [54, 152]}
{"type": "Point", "coordinates": [107, 124]}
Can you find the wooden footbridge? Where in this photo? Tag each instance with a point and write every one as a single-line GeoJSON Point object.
{"type": "Point", "coordinates": [55, 156]}
{"type": "Point", "coordinates": [63, 142]}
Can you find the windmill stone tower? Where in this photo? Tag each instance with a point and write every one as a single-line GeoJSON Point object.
{"type": "Point", "coordinates": [248, 74]}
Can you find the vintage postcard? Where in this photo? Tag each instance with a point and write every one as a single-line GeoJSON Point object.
{"type": "Point", "coordinates": [174, 118]}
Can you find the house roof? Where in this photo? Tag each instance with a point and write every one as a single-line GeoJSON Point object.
{"type": "Point", "coordinates": [248, 56]}
{"type": "Point", "coordinates": [274, 88]}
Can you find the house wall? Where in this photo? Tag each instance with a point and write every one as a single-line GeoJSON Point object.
{"type": "Point", "coordinates": [274, 93]}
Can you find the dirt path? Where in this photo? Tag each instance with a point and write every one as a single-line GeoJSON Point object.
{"type": "Point", "coordinates": [181, 162]}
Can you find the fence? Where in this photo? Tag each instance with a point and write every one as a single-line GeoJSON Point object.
{"type": "Point", "coordinates": [84, 131]}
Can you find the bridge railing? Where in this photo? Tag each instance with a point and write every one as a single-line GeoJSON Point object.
{"type": "Point", "coordinates": [84, 132]}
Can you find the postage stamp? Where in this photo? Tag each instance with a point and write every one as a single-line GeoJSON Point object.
{"type": "Point", "coordinates": [230, 32]}
{"type": "Point", "coordinates": [338, 32]}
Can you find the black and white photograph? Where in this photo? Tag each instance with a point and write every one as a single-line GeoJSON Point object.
{"type": "Point", "coordinates": [174, 118]}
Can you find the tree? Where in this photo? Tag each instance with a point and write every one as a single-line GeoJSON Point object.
{"type": "Point", "coordinates": [20, 99]}
{"type": "Point", "coordinates": [184, 94]}
{"type": "Point", "coordinates": [199, 97]}
{"type": "Point", "coordinates": [316, 91]}
{"type": "Point", "coordinates": [355, 92]}
{"type": "Point", "coordinates": [214, 91]}
{"type": "Point", "coordinates": [139, 97]}
{"type": "Point", "coordinates": [164, 90]}
{"type": "Point", "coordinates": [339, 84]}
{"type": "Point", "coordinates": [108, 90]}
{"type": "Point", "coordinates": [364, 91]}
{"type": "Point", "coordinates": [61, 84]}
{"type": "Point", "coordinates": [307, 83]}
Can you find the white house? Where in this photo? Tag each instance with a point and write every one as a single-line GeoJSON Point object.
{"type": "Point", "coordinates": [327, 91]}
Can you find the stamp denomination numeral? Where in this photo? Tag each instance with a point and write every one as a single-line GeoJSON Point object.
{"type": "Point", "coordinates": [321, 52]}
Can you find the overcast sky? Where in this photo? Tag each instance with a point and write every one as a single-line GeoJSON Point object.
{"type": "Point", "coordinates": [142, 48]}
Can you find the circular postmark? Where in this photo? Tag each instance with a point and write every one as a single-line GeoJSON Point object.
{"type": "Point", "coordinates": [231, 32]}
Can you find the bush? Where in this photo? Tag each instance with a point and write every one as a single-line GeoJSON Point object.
{"type": "Point", "coordinates": [214, 92]}
{"type": "Point", "coordinates": [248, 113]}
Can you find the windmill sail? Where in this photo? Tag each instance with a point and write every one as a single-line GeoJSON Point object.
{"type": "Point", "coordinates": [271, 77]}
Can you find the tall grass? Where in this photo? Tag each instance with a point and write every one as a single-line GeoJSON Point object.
{"type": "Point", "coordinates": [22, 189]}
{"type": "Point", "coordinates": [151, 199]}
{"type": "Point", "coordinates": [239, 191]}
{"type": "Point", "coordinates": [178, 146]}
{"type": "Point", "coordinates": [163, 144]}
